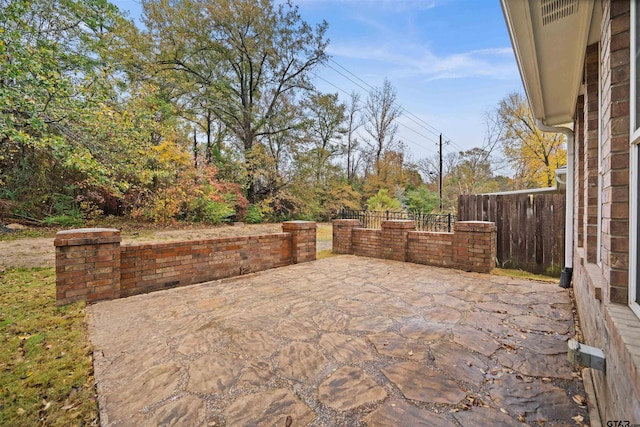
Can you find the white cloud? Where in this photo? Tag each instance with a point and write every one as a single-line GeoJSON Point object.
{"type": "Point", "coordinates": [393, 6]}
{"type": "Point", "coordinates": [421, 62]}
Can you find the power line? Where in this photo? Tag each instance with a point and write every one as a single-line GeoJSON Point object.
{"type": "Point", "coordinates": [414, 118]}
{"type": "Point", "coordinates": [361, 87]}
{"type": "Point", "coordinates": [400, 123]}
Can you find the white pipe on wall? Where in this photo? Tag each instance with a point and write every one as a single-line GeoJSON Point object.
{"type": "Point", "coordinates": [568, 232]}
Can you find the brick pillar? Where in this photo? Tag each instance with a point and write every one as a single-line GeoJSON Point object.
{"type": "Point", "coordinates": [474, 246]}
{"type": "Point", "coordinates": [303, 240]}
{"type": "Point", "coordinates": [394, 239]}
{"type": "Point", "coordinates": [87, 265]}
{"type": "Point", "coordinates": [343, 234]}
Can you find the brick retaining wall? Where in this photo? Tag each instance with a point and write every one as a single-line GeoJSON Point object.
{"type": "Point", "coordinates": [471, 247]}
{"type": "Point", "coordinates": [430, 248]}
{"type": "Point", "coordinates": [91, 264]}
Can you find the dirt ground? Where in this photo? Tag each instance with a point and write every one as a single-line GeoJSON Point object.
{"type": "Point", "coordinates": [40, 252]}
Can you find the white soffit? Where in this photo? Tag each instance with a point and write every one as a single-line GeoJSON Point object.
{"type": "Point", "coordinates": [549, 39]}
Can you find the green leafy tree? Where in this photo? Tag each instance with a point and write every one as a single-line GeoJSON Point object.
{"type": "Point", "coordinates": [326, 117]}
{"type": "Point", "coordinates": [51, 86]}
{"type": "Point", "coordinates": [421, 200]}
{"type": "Point", "coordinates": [382, 201]}
{"type": "Point", "coordinates": [243, 55]}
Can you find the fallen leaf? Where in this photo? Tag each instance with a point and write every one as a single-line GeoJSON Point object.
{"type": "Point", "coordinates": [578, 419]}
{"type": "Point", "coordinates": [503, 410]}
{"type": "Point", "coordinates": [411, 353]}
{"type": "Point", "coordinates": [546, 380]}
{"type": "Point", "coordinates": [580, 400]}
{"type": "Point", "coordinates": [522, 419]}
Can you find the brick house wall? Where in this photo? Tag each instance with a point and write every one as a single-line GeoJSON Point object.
{"type": "Point", "coordinates": [471, 247]}
{"type": "Point", "coordinates": [601, 286]}
{"type": "Point", "coordinates": [92, 265]}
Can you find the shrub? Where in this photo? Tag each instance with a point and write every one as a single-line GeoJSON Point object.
{"type": "Point", "coordinates": [254, 215]}
{"type": "Point", "coordinates": [209, 211]}
{"type": "Point", "coordinates": [64, 220]}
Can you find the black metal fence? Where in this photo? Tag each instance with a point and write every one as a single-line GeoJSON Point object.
{"type": "Point", "coordinates": [424, 222]}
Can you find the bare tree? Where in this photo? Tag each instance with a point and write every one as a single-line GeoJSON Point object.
{"type": "Point", "coordinates": [380, 115]}
{"type": "Point", "coordinates": [354, 122]}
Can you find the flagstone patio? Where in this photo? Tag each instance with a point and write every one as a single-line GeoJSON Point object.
{"type": "Point", "coordinates": [344, 341]}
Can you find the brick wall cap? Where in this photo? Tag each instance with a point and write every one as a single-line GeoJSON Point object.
{"type": "Point", "coordinates": [398, 223]}
{"type": "Point", "coordinates": [299, 225]}
{"type": "Point", "coordinates": [475, 225]}
{"type": "Point", "coordinates": [86, 236]}
{"type": "Point", "coordinates": [84, 232]}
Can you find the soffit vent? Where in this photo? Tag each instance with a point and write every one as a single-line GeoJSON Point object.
{"type": "Point", "coordinates": [554, 10]}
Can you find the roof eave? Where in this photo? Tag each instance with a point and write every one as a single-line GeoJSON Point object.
{"type": "Point", "coordinates": [550, 56]}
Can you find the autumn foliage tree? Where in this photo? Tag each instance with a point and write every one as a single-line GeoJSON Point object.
{"type": "Point", "coordinates": [534, 155]}
{"type": "Point", "coordinates": [78, 138]}
{"type": "Point", "coordinates": [206, 111]}
{"type": "Point", "coordinates": [243, 55]}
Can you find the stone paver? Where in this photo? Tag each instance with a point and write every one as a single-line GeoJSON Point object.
{"type": "Point", "coordinates": [401, 413]}
{"type": "Point", "coordinates": [348, 388]}
{"type": "Point", "coordinates": [423, 384]}
{"type": "Point", "coordinates": [344, 341]}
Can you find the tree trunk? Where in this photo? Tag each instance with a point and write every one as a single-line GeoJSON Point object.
{"type": "Point", "coordinates": [195, 149]}
{"type": "Point", "coordinates": [209, 137]}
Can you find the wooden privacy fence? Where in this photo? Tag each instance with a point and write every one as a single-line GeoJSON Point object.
{"type": "Point", "coordinates": [530, 228]}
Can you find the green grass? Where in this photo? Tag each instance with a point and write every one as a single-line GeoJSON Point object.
{"type": "Point", "coordinates": [46, 374]}
{"type": "Point", "coordinates": [522, 274]}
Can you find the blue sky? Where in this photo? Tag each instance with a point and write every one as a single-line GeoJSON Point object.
{"type": "Point", "coordinates": [450, 61]}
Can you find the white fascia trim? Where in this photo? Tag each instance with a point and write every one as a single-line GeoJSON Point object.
{"type": "Point", "coordinates": [517, 16]}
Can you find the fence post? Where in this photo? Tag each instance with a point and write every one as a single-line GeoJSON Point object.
{"type": "Point", "coordinates": [449, 223]}
{"type": "Point", "coordinates": [387, 216]}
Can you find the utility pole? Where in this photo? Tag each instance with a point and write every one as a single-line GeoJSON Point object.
{"type": "Point", "coordinates": [440, 175]}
